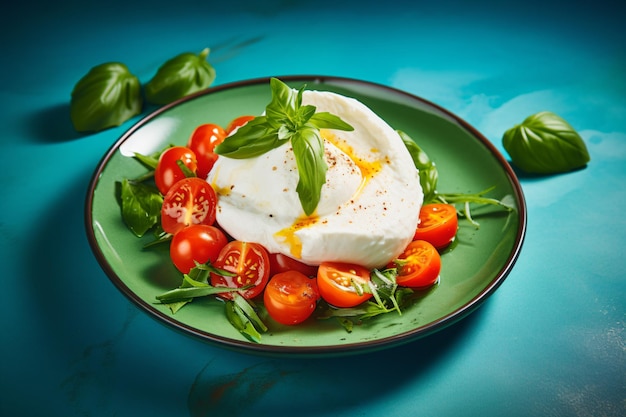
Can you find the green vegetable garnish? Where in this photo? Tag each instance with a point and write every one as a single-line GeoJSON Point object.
{"type": "Point", "coordinates": [286, 119]}
{"type": "Point", "coordinates": [106, 96]}
{"type": "Point", "coordinates": [180, 76]}
{"type": "Point", "coordinates": [141, 206]}
{"type": "Point", "coordinates": [427, 170]}
{"type": "Point", "coordinates": [544, 143]}
{"type": "Point", "coordinates": [428, 181]}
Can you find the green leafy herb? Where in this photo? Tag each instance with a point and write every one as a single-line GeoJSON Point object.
{"type": "Point", "coordinates": [106, 96]}
{"type": "Point", "coordinates": [141, 206]}
{"type": "Point", "coordinates": [180, 76]}
{"type": "Point", "coordinates": [544, 143]}
{"type": "Point", "coordinates": [465, 200]}
{"type": "Point", "coordinates": [194, 285]}
{"type": "Point", "coordinates": [242, 315]}
{"type": "Point", "coordinates": [428, 180]}
{"type": "Point", "coordinates": [427, 170]}
{"type": "Point", "coordinates": [286, 119]}
{"type": "Point", "coordinates": [387, 297]}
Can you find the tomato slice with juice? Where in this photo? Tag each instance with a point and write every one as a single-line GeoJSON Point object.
{"type": "Point", "coordinates": [438, 224]}
{"type": "Point", "coordinates": [418, 266]}
{"type": "Point", "coordinates": [249, 262]}
{"type": "Point", "coordinates": [290, 297]}
{"type": "Point", "coordinates": [189, 201]}
{"type": "Point", "coordinates": [336, 282]}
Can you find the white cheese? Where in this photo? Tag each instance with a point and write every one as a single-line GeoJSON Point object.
{"type": "Point", "coordinates": [369, 205]}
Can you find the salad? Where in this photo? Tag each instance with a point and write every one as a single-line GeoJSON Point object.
{"type": "Point", "coordinates": [176, 203]}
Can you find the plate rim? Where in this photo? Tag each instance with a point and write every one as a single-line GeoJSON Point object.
{"type": "Point", "coordinates": [359, 347]}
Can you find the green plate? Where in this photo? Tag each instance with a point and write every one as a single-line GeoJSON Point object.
{"type": "Point", "coordinates": [467, 162]}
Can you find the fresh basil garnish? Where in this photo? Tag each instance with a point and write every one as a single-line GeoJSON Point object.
{"type": "Point", "coordinates": [427, 170]}
{"type": "Point", "coordinates": [180, 76]}
{"type": "Point", "coordinates": [286, 119]}
{"type": "Point", "coordinates": [106, 96]}
{"type": "Point", "coordinates": [544, 143]}
{"type": "Point", "coordinates": [141, 206]}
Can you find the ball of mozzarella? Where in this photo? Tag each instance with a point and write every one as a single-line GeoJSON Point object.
{"type": "Point", "coordinates": [369, 205]}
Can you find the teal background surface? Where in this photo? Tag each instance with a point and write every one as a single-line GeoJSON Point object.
{"type": "Point", "coordinates": [549, 342]}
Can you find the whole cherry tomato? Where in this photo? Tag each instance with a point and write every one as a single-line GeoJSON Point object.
{"type": "Point", "coordinates": [237, 123]}
{"type": "Point", "coordinates": [202, 142]}
{"type": "Point", "coordinates": [198, 243]}
{"type": "Point", "coordinates": [283, 263]}
{"type": "Point", "coordinates": [167, 171]}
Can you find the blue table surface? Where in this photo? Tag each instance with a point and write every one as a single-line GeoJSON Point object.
{"type": "Point", "coordinates": [549, 342]}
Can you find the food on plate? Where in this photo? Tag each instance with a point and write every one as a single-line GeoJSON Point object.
{"type": "Point", "coordinates": [369, 203]}
{"type": "Point", "coordinates": [315, 205]}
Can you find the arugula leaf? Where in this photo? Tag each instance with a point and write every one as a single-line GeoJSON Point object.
{"type": "Point", "coordinates": [286, 119]}
{"type": "Point", "coordinates": [141, 206]}
{"type": "Point", "coordinates": [192, 289]}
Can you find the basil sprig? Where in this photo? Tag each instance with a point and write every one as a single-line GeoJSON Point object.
{"type": "Point", "coordinates": [429, 176]}
{"type": "Point", "coordinates": [286, 119]}
{"type": "Point", "coordinates": [180, 76]}
{"type": "Point", "coordinates": [544, 143]}
{"type": "Point", "coordinates": [141, 206]}
{"type": "Point", "coordinates": [427, 170]}
{"type": "Point", "coordinates": [106, 96]}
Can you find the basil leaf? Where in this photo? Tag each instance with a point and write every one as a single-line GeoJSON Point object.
{"type": "Point", "coordinates": [287, 120]}
{"type": "Point", "coordinates": [308, 148]}
{"type": "Point", "coordinates": [544, 143]}
{"type": "Point", "coordinates": [141, 206]}
{"type": "Point", "coordinates": [325, 120]}
{"type": "Point", "coordinates": [106, 96]}
{"type": "Point", "coordinates": [252, 139]}
{"type": "Point", "coordinates": [427, 170]}
{"type": "Point", "coordinates": [180, 76]}
{"type": "Point", "coordinates": [284, 102]}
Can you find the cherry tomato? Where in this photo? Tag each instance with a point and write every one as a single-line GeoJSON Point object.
{"type": "Point", "coordinates": [237, 123]}
{"type": "Point", "coordinates": [335, 283]}
{"type": "Point", "coordinates": [202, 142]}
{"type": "Point", "coordinates": [419, 265]}
{"type": "Point", "coordinates": [283, 263]}
{"type": "Point", "coordinates": [167, 172]}
{"type": "Point", "coordinates": [438, 224]}
{"type": "Point", "coordinates": [189, 201]}
{"type": "Point", "coordinates": [249, 261]}
{"type": "Point", "coordinates": [200, 243]}
{"type": "Point", "coordinates": [290, 297]}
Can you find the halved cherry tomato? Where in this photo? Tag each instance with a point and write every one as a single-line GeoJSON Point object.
{"type": "Point", "coordinates": [336, 282]}
{"type": "Point", "coordinates": [290, 297]}
{"type": "Point", "coordinates": [438, 224]}
{"type": "Point", "coordinates": [198, 243]}
{"type": "Point", "coordinates": [237, 123]}
{"type": "Point", "coordinates": [189, 201]}
{"type": "Point", "coordinates": [167, 171]}
{"type": "Point", "coordinates": [419, 265]}
{"type": "Point", "coordinates": [249, 261]}
{"type": "Point", "coordinates": [283, 263]}
{"type": "Point", "coordinates": [202, 142]}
